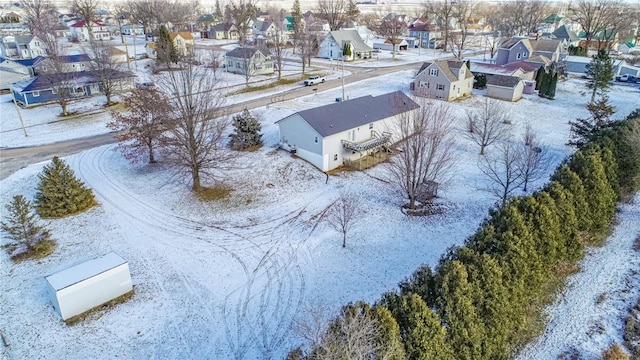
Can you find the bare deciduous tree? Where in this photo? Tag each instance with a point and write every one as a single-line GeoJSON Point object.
{"type": "Point", "coordinates": [425, 149]}
{"type": "Point", "coordinates": [393, 29]}
{"type": "Point", "coordinates": [343, 215]}
{"type": "Point", "coordinates": [488, 124]}
{"type": "Point", "coordinates": [308, 48]}
{"type": "Point", "coordinates": [502, 168]}
{"type": "Point", "coordinates": [534, 158]}
{"type": "Point", "coordinates": [138, 130]}
{"type": "Point", "coordinates": [442, 10]}
{"type": "Point", "coordinates": [193, 146]}
{"type": "Point", "coordinates": [56, 75]}
{"type": "Point", "coordinates": [334, 11]}
{"type": "Point", "coordinates": [242, 12]}
{"type": "Point", "coordinates": [40, 16]}
{"type": "Point", "coordinates": [86, 9]}
{"type": "Point", "coordinates": [597, 15]}
{"type": "Point", "coordinates": [462, 12]}
{"type": "Point", "coordinates": [105, 67]}
{"type": "Point", "coordinates": [277, 40]}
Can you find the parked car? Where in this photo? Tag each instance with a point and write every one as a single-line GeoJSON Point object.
{"type": "Point", "coordinates": [314, 80]}
{"type": "Point", "coordinates": [627, 78]}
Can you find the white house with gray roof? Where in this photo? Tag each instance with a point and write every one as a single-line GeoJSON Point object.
{"type": "Point", "coordinates": [328, 135]}
{"type": "Point", "coordinates": [443, 79]}
{"type": "Point", "coordinates": [345, 44]}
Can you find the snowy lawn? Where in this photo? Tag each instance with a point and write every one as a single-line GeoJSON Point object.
{"type": "Point", "coordinates": [224, 280]}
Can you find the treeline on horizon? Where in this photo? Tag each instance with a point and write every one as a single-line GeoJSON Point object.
{"type": "Point", "coordinates": [484, 299]}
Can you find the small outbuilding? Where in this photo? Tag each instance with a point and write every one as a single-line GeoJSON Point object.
{"type": "Point", "coordinates": [89, 284]}
{"type": "Point", "coordinates": [503, 87]}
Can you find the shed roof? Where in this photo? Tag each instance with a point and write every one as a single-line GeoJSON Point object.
{"type": "Point", "coordinates": [247, 52]}
{"type": "Point", "coordinates": [342, 116]}
{"type": "Point", "coordinates": [503, 80]}
{"type": "Point", "coordinates": [85, 270]}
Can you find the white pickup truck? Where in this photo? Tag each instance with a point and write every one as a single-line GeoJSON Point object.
{"type": "Point", "coordinates": [314, 80]}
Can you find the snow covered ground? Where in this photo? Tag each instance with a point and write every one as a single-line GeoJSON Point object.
{"type": "Point", "coordinates": [224, 280]}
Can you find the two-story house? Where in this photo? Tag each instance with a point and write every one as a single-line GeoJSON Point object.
{"type": "Point", "coordinates": [538, 51]}
{"type": "Point", "coordinates": [221, 31]}
{"type": "Point", "coordinates": [99, 31]}
{"type": "Point", "coordinates": [344, 45]}
{"type": "Point", "coordinates": [22, 47]}
{"type": "Point", "coordinates": [427, 34]}
{"type": "Point", "coordinates": [183, 42]}
{"type": "Point", "coordinates": [249, 61]}
{"type": "Point", "coordinates": [443, 79]}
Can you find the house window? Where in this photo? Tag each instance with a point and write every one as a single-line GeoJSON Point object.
{"type": "Point", "coordinates": [335, 157]}
{"type": "Point", "coordinates": [316, 140]}
{"type": "Point", "coordinates": [35, 93]}
{"type": "Point", "coordinates": [518, 56]}
{"type": "Point", "coordinates": [370, 126]}
{"type": "Point", "coordinates": [440, 87]}
{"type": "Point", "coordinates": [424, 84]}
{"type": "Point", "coordinates": [433, 72]}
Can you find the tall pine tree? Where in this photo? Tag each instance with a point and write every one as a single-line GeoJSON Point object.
{"type": "Point", "coordinates": [573, 184]}
{"type": "Point", "coordinates": [572, 248]}
{"type": "Point", "coordinates": [166, 52]}
{"type": "Point", "coordinates": [599, 73]}
{"type": "Point", "coordinates": [60, 193]}
{"type": "Point", "coordinates": [22, 224]}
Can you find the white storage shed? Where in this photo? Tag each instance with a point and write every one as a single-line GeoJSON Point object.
{"type": "Point", "coordinates": [89, 284]}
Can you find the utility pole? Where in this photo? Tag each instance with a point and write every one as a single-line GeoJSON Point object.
{"type": "Point", "coordinates": [19, 115]}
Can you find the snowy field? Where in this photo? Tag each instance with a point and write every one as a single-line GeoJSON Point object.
{"type": "Point", "coordinates": [225, 280]}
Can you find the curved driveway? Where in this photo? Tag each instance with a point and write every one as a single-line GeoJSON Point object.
{"type": "Point", "coordinates": [13, 159]}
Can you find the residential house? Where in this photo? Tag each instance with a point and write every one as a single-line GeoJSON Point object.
{"type": "Point", "coordinates": [61, 31]}
{"type": "Point", "coordinates": [22, 46]}
{"type": "Point", "coordinates": [222, 31]}
{"type": "Point", "coordinates": [12, 70]}
{"type": "Point", "coordinates": [132, 29]}
{"type": "Point", "coordinates": [330, 135]}
{"type": "Point", "coordinates": [505, 87]}
{"type": "Point", "coordinates": [602, 39]}
{"type": "Point", "coordinates": [14, 29]}
{"type": "Point", "coordinates": [428, 35]}
{"type": "Point", "coordinates": [443, 79]}
{"type": "Point", "coordinates": [387, 44]}
{"type": "Point", "coordinates": [183, 42]}
{"type": "Point", "coordinates": [536, 51]}
{"type": "Point", "coordinates": [99, 31]}
{"type": "Point", "coordinates": [10, 17]}
{"type": "Point", "coordinates": [151, 49]}
{"type": "Point", "coordinates": [70, 63]}
{"type": "Point", "coordinates": [551, 23]}
{"type": "Point", "coordinates": [117, 55]}
{"type": "Point", "coordinates": [344, 44]}
{"type": "Point", "coordinates": [42, 89]}
{"type": "Point", "coordinates": [315, 24]}
{"type": "Point", "coordinates": [565, 33]}
{"type": "Point", "coordinates": [256, 60]}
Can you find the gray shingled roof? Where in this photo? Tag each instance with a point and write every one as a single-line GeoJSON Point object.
{"type": "Point", "coordinates": [545, 45]}
{"type": "Point", "coordinates": [563, 32]}
{"type": "Point", "coordinates": [352, 36]}
{"type": "Point", "coordinates": [503, 80]}
{"type": "Point", "coordinates": [338, 117]}
{"type": "Point", "coordinates": [246, 52]}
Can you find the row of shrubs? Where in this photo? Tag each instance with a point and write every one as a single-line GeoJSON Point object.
{"type": "Point", "coordinates": [484, 299]}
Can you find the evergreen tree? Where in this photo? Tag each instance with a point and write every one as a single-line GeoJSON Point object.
{"type": "Point", "coordinates": [465, 328]}
{"type": "Point", "coordinates": [540, 76]}
{"type": "Point", "coordinates": [60, 193]}
{"type": "Point", "coordinates": [585, 130]}
{"type": "Point", "coordinates": [346, 50]}
{"type": "Point", "coordinates": [572, 248]}
{"type": "Point", "coordinates": [297, 24]}
{"type": "Point", "coordinates": [165, 49]}
{"type": "Point", "coordinates": [422, 283]}
{"type": "Point", "coordinates": [599, 73]}
{"type": "Point", "coordinates": [246, 131]}
{"type": "Point", "coordinates": [541, 216]}
{"type": "Point", "coordinates": [490, 297]}
{"type": "Point", "coordinates": [552, 86]}
{"type": "Point", "coordinates": [544, 84]}
{"type": "Point", "coordinates": [601, 201]}
{"type": "Point", "coordinates": [389, 339]}
{"type": "Point", "coordinates": [480, 81]}
{"type": "Point", "coordinates": [22, 224]}
{"type": "Point", "coordinates": [218, 12]}
{"type": "Point", "coordinates": [570, 181]}
{"type": "Point", "coordinates": [423, 335]}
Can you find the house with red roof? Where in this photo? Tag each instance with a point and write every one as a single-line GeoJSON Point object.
{"type": "Point", "coordinates": [99, 31]}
